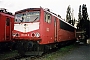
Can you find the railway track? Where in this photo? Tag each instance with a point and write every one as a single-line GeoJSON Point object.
{"type": "Point", "coordinates": [13, 55]}
{"type": "Point", "coordinates": [8, 55]}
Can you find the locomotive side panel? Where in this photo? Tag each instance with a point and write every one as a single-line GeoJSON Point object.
{"type": "Point", "coordinates": [47, 28]}
{"type": "Point", "coordinates": [65, 31]}
{"type": "Point", "coordinates": [2, 30]}
{"type": "Point", "coordinates": [11, 26]}
{"type": "Point", "coordinates": [7, 25]}
{"type": "Point", "coordinates": [55, 31]}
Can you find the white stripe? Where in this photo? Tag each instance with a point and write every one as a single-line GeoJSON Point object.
{"type": "Point", "coordinates": [29, 27]}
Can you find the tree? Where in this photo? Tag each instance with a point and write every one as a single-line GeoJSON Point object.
{"type": "Point", "coordinates": [79, 14]}
{"type": "Point", "coordinates": [83, 20]}
{"type": "Point", "coordinates": [79, 19]}
{"type": "Point", "coordinates": [68, 15]}
{"type": "Point", "coordinates": [74, 21]}
{"type": "Point", "coordinates": [84, 12]}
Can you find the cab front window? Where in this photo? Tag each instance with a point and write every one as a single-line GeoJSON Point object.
{"type": "Point", "coordinates": [27, 16]}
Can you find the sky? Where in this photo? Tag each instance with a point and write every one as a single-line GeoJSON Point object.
{"type": "Point", "coordinates": [56, 6]}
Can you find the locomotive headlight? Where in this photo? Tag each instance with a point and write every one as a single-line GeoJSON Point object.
{"type": "Point", "coordinates": [13, 34]}
{"type": "Point", "coordinates": [37, 34]}
{"type": "Point", "coordinates": [33, 34]}
{"type": "Point", "coordinates": [17, 34]}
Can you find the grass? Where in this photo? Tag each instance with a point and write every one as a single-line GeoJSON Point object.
{"type": "Point", "coordinates": [8, 55]}
{"type": "Point", "coordinates": [59, 53]}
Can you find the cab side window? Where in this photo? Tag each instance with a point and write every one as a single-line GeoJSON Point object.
{"type": "Point", "coordinates": [47, 17]}
{"type": "Point", "coordinates": [8, 21]}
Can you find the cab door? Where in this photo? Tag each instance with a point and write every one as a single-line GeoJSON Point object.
{"type": "Point", "coordinates": [8, 29]}
{"type": "Point", "coordinates": [48, 28]}
{"type": "Point", "coordinates": [55, 29]}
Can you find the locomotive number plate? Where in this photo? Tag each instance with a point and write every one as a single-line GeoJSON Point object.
{"type": "Point", "coordinates": [24, 34]}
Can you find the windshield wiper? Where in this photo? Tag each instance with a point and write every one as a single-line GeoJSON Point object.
{"type": "Point", "coordinates": [35, 19]}
{"type": "Point", "coordinates": [22, 19]}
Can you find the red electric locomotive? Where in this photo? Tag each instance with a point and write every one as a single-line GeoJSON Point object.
{"type": "Point", "coordinates": [36, 30]}
{"type": "Point", "coordinates": [6, 27]}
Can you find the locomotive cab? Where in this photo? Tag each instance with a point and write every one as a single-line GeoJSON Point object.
{"type": "Point", "coordinates": [26, 25]}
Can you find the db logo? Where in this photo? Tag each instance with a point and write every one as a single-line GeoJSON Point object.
{"type": "Point", "coordinates": [47, 29]}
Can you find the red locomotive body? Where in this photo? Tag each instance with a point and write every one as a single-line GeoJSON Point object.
{"type": "Point", "coordinates": [38, 29]}
{"type": "Point", "coordinates": [6, 25]}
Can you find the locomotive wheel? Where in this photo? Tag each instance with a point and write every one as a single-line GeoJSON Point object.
{"type": "Point", "coordinates": [21, 49]}
{"type": "Point", "coordinates": [30, 48]}
{"type": "Point", "coordinates": [40, 49]}
{"type": "Point", "coordinates": [36, 49]}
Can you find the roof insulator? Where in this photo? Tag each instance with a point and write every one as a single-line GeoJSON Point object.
{"type": "Point", "coordinates": [3, 10]}
{"type": "Point", "coordinates": [47, 9]}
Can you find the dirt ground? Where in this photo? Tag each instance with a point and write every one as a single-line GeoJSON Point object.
{"type": "Point", "coordinates": [81, 53]}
